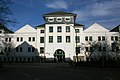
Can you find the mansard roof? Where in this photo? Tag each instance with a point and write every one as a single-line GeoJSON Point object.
{"type": "Point", "coordinates": [42, 25]}
{"type": "Point", "coordinates": [59, 13]}
{"type": "Point", "coordinates": [26, 29]}
{"type": "Point", "coordinates": [2, 27]}
{"type": "Point", "coordinates": [116, 29]}
{"type": "Point", "coordinates": [96, 28]}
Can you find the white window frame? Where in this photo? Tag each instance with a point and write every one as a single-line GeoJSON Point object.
{"type": "Point", "coordinates": [51, 18]}
{"type": "Point", "coordinates": [67, 20]}
{"type": "Point", "coordinates": [59, 18]}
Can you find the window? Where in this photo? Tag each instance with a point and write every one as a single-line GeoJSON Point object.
{"type": "Point", "coordinates": [50, 39]}
{"type": "Point", "coordinates": [104, 49]}
{"type": "Point", "coordinates": [51, 19]}
{"type": "Point", "coordinates": [41, 39]}
{"type": "Point", "coordinates": [17, 39]}
{"type": "Point", "coordinates": [9, 39]}
{"type": "Point", "coordinates": [59, 19]}
{"type": "Point", "coordinates": [21, 39]}
{"type": "Point", "coordinates": [33, 38]}
{"type": "Point", "coordinates": [41, 50]}
{"type": "Point", "coordinates": [20, 49]}
{"type": "Point", "coordinates": [33, 49]}
{"type": "Point", "coordinates": [59, 39]}
{"type": "Point", "coordinates": [67, 39]}
{"type": "Point", "coordinates": [77, 31]}
{"type": "Point", "coordinates": [112, 38]}
{"type": "Point", "coordinates": [29, 49]}
{"type": "Point", "coordinates": [90, 38]}
{"type": "Point", "coordinates": [103, 38]}
{"type": "Point", "coordinates": [99, 38]}
{"type": "Point", "coordinates": [6, 39]}
{"type": "Point", "coordinates": [99, 49]}
{"type": "Point", "coordinates": [86, 38]}
{"type": "Point", "coordinates": [77, 39]}
{"type": "Point", "coordinates": [86, 48]}
{"type": "Point", "coordinates": [50, 29]}
{"type": "Point", "coordinates": [29, 38]}
{"type": "Point", "coordinates": [59, 29]}
{"type": "Point", "coordinates": [17, 49]}
{"type": "Point", "coordinates": [41, 31]}
{"type": "Point", "coordinates": [116, 38]}
{"type": "Point", "coordinates": [77, 50]}
{"type": "Point", "coordinates": [67, 28]}
{"type": "Point", "coordinates": [67, 19]}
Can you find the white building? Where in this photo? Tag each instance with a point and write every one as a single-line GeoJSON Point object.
{"type": "Point", "coordinates": [60, 39]}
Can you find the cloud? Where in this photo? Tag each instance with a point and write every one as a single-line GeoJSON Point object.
{"type": "Point", "coordinates": [99, 9]}
{"type": "Point", "coordinates": [58, 4]}
{"type": "Point", "coordinates": [105, 8]}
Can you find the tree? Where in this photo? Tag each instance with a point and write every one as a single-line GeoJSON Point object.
{"type": "Point", "coordinates": [90, 49]}
{"type": "Point", "coordinates": [5, 12]}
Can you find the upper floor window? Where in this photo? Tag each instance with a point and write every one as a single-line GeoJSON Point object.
{"type": "Point", "coordinates": [50, 39]}
{"type": "Point", "coordinates": [41, 31]}
{"type": "Point", "coordinates": [33, 38]}
{"type": "Point", "coordinates": [112, 38]}
{"type": "Point", "coordinates": [67, 19]}
{"type": "Point", "coordinates": [67, 28]}
{"type": "Point", "coordinates": [59, 39]}
{"type": "Point", "coordinates": [90, 38]}
{"type": "Point", "coordinates": [77, 38]}
{"type": "Point", "coordinates": [59, 19]}
{"type": "Point", "coordinates": [29, 38]}
{"type": "Point", "coordinates": [19, 39]}
{"type": "Point", "coordinates": [59, 29]}
{"type": "Point", "coordinates": [116, 38]}
{"type": "Point", "coordinates": [50, 29]}
{"type": "Point", "coordinates": [41, 50]}
{"type": "Point", "coordinates": [50, 19]}
{"type": "Point", "coordinates": [67, 39]}
{"type": "Point", "coordinates": [41, 39]}
{"type": "Point", "coordinates": [103, 38]}
{"type": "Point", "coordinates": [99, 38]}
{"type": "Point", "coordinates": [77, 31]}
{"type": "Point", "coordinates": [86, 38]}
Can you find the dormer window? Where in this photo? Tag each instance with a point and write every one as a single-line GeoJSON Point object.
{"type": "Point", "coordinates": [59, 19]}
{"type": "Point", "coordinates": [67, 19]}
{"type": "Point", "coordinates": [51, 19]}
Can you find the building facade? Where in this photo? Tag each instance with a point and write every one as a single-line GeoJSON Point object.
{"type": "Point", "coordinates": [58, 39]}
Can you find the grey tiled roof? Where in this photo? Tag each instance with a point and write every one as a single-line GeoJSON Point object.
{"type": "Point", "coordinates": [59, 13]}
{"type": "Point", "coordinates": [116, 29]}
{"type": "Point", "coordinates": [5, 29]}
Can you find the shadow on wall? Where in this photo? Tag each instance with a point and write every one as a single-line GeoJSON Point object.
{"type": "Point", "coordinates": [22, 53]}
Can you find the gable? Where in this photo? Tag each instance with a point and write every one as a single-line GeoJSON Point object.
{"type": "Point", "coordinates": [96, 28]}
{"type": "Point", "coordinates": [26, 29]}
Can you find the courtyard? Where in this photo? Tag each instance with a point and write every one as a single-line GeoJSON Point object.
{"type": "Point", "coordinates": [56, 71]}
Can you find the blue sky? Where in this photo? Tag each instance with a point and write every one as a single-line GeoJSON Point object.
{"type": "Point", "coordinates": [104, 12]}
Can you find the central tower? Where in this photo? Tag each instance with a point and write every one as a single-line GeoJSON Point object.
{"type": "Point", "coordinates": [59, 35]}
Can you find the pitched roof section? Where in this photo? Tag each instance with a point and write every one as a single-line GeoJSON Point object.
{"type": "Point", "coordinates": [5, 29]}
{"type": "Point", "coordinates": [26, 29]}
{"type": "Point", "coordinates": [59, 13]}
{"type": "Point", "coordinates": [116, 29]}
{"type": "Point", "coordinates": [96, 28]}
{"type": "Point", "coordinates": [42, 25]}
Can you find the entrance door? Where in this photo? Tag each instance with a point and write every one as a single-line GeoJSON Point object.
{"type": "Point", "coordinates": [59, 55]}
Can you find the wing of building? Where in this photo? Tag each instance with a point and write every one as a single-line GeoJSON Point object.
{"type": "Point", "coordinates": [59, 39]}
